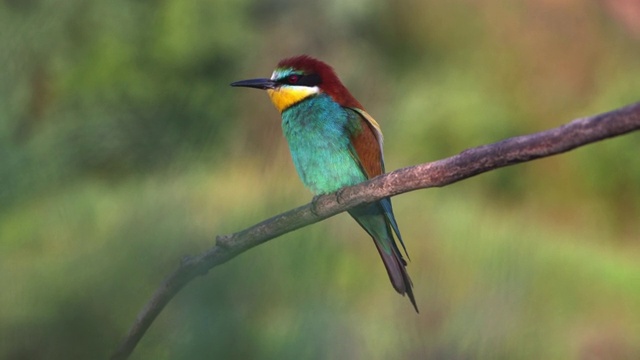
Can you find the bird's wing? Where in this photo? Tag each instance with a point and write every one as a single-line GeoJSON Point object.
{"type": "Point", "coordinates": [367, 143]}
{"type": "Point", "coordinates": [366, 139]}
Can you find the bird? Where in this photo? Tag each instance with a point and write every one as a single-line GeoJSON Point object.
{"type": "Point", "coordinates": [335, 143]}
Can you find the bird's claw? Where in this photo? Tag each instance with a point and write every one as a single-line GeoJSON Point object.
{"type": "Point", "coordinates": [340, 195]}
{"type": "Point", "coordinates": [314, 204]}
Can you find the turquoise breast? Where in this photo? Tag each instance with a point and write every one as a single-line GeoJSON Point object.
{"type": "Point", "coordinates": [318, 131]}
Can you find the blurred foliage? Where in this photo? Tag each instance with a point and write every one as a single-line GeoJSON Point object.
{"type": "Point", "coordinates": [123, 148]}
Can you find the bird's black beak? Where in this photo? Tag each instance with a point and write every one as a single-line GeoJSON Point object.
{"type": "Point", "coordinates": [256, 83]}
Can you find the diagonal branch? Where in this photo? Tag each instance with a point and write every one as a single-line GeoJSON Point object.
{"type": "Point", "coordinates": [439, 173]}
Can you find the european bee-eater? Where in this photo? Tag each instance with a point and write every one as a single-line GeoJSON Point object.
{"type": "Point", "coordinates": [335, 143]}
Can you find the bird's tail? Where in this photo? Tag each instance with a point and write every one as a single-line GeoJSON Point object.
{"type": "Point", "coordinates": [372, 218]}
{"type": "Point", "coordinates": [396, 268]}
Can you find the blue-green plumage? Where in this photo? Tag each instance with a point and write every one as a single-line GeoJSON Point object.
{"type": "Point", "coordinates": [318, 133]}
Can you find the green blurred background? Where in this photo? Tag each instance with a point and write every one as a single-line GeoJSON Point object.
{"type": "Point", "coordinates": [123, 148]}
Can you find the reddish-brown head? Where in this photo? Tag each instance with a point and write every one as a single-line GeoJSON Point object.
{"type": "Point", "coordinates": [298, 78]}
{"type": "Point", "coordinates": [304, 70]}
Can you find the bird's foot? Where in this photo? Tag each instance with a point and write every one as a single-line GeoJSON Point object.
{"type": "Point", "coordinates": [340, 195]}
{"type": "Point", "coordinates": [314, 204]}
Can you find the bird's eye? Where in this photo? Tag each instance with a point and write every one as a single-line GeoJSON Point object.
{"type": "Point", "coordinates": [293, 79]}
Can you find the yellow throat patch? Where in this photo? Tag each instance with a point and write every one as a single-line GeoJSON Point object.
{"type": "Point", "coordinates": [283, 97]}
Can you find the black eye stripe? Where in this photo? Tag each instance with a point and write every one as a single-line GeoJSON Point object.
{"type": "Point", "coordinates": [301, 80]}
{"type": "Point", "coordinates": [310, 80]}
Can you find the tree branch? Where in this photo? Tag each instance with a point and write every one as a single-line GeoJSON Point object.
{"type": "Point", "coordinates": [440, 173]}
